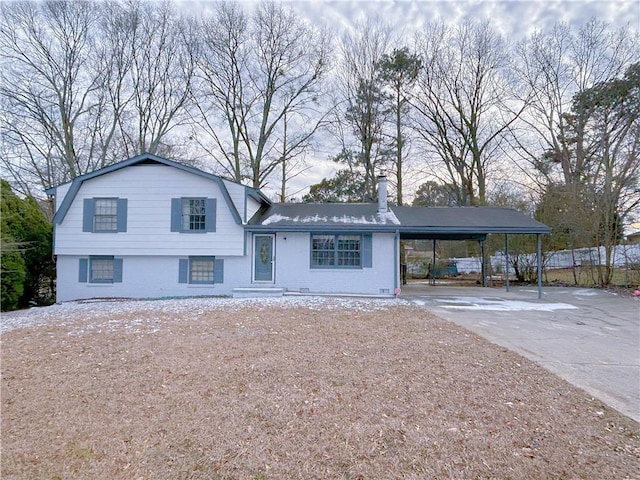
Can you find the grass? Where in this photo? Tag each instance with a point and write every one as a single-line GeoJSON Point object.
{"type": "Point", "coordinates": [588, 276]}
{"type": "Point", "coordinates": [259, 392]}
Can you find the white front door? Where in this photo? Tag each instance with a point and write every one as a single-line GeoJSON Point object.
{"type": "Point", "coordinates": [263, 258]}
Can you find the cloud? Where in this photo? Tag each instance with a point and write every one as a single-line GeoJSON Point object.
{"type": "Point", "coordinates": [514, 19]}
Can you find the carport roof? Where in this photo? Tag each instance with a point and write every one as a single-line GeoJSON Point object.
{"type": "Point", "coordinates": [411, 222]}
{"type": "Point", "coordinates": [465, 222]}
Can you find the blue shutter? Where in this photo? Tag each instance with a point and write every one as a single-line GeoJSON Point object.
{"type": "Point", "coordinates": [87, 215]}
{"type": "Point", "coordinates": [367, 250]}
{"type": "Point", "coordinates": [82, 272]}
{"type": "Point", "coordinates": [183, 271]}
{"type": "Point", "coordinates": [218, 270]}
{"type": "Point", "coordinates": [176, 215]}
{"type": "Point", "coordinates": [117, 270]}
{"type": "Point", "coordinates": [210, 211]}
{"type": "Point", "coordinates": [122, 215]}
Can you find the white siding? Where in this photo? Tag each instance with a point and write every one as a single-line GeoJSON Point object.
{"type": "Point", "coordinates": [237, 194]}
{"type": "Point", "coordinates": [61, 191]}
{"type": "Point", "coordinates": [294, 273]}
{"type": "Point", "coordinates": [146, 277]}
{"type": "Point", "coordinates": [149, 190]}
{"type": "Point", "coordinates": [157, 276]}
{"type": "Point", "coordinates": [252, 207]}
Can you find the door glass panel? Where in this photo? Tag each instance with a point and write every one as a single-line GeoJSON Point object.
{"type": "Point", "coordinates": [263, 264]}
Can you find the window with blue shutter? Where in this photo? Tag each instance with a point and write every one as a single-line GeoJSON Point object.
{"type": "Point", "coordinates": [193, 215]}
{"type": "Point", "coordinates": [100, 269]}
{"type": "Point", "coordinates": [201, 270]}
{"type": "Point", "coordinates": [340, 251]}
{"type": "Point", "coordinates": [104, 215]}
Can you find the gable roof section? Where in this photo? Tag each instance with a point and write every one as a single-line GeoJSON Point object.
{"type": "Point", "coordinates": [457, 223]}
{"type": "Point", "coordinates": [145, 158]}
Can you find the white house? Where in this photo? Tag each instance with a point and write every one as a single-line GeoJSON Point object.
{"type": "Point", "coordinates": [148, 227]}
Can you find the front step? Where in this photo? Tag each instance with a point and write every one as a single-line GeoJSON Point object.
{"type": "Point", "coordinates": [257, 292]}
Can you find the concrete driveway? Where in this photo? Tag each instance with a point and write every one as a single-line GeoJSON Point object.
{"type": "Point", "coordinates": [589, 337]}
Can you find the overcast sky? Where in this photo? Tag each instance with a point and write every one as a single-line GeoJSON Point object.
{"type": "Point", "coordinates": [515, 19]}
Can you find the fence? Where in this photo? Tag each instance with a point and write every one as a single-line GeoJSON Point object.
{"type": "Point", "coordinates": [624, 256]}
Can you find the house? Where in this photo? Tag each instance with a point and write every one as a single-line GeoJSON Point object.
{"type": "Point", "coordinates": [148, 227]}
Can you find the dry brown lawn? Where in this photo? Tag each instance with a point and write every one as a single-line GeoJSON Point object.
{"type": "Point", "coordinates": [331, 389]}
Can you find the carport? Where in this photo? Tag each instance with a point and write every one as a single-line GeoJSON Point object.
{"type": "Point", "coordinates": [470, 223]}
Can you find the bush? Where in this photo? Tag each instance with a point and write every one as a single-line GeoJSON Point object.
{"type": "Point", "coordinates": [12, 274]}
{"type": "Point", "coordinates": [27, 266]}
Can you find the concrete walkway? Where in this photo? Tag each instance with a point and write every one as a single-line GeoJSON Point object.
{"type": "Point", "coordinates": [588, 337]}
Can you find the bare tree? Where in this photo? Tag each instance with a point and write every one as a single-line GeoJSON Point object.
{"type": "Point", "coordinates": [554, 66]}
{"type": "Point", "coordinates": [162, 53]}
{"type": "Point", "coordinates": [294, 145]}
{"type": "Point", "coordinates": [580, 131]}
{"type": "Point", "coordinates": [464, 104]}
{"type": "Point", "coordinates": [49, 91]}
{"type": "Point", "coordinates": [222, 63]}
{"type": "Point", "coordinates": [365, 110]}
{"type": "Point", "coordinates": [612, 146]}
{"type": "Point", "coordinates": [253, 73]}
{"type": "Point", "coordinates": [81, 90]}
{"type": "Point", "coordinates": [399, 71]}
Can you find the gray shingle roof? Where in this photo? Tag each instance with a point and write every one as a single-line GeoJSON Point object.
{"type": "Point", "coordinates": [425, 222]}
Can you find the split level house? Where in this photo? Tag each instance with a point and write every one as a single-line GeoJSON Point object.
{"type": "Point", "coordinates": [148, 227]}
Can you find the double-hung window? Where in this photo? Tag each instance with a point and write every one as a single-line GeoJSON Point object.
{"type": "Point", "coordinates": [201, 270]}
{"type": "Point", "coordinates": [100, 269]}
{"type": "Point", "coordinates": [193, 215]}
{"type": "Point", "coordinates": [336, 251]}
{"type": "Point", "coordinates": [104, 215]}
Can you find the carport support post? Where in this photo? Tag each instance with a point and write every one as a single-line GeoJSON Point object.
{"type": "Point", "coordinates": [482, 265]}
{"type": "Point", "coordinates": [539, 265]}
{"type": "Point", "coordinates": [506, 261]}
{"type": "Point", "coordinates": [433, 263]}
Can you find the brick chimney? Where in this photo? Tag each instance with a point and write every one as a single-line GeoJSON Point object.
{"type": "Point", "coordinates": [382, 193]}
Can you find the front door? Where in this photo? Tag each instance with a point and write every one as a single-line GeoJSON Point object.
{"type": "Point", "coordinates": [263, 259]}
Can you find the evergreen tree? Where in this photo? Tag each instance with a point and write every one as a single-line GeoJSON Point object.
{"type": "Point", "coordinates": [27, 264]}
{"type": "Point", "coordinates": [345, 187]}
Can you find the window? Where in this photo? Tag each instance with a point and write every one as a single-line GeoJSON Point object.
{"type": "Point", "coordinates": [348, 250]}
{"type": "Point", "coordinates": [193, 215]}
{"type": "Point", "coordinates": [104, 215]}
{"type": "Point", "coordinates": [201, 270]}
{"type": "Point", "coordinates": [100, 269]}
{"type": "Point", "coordinates": [336, 251]}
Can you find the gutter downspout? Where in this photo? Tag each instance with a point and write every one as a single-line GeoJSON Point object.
{"type": "Point", "coordinates": [396, 263]}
